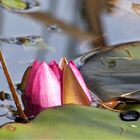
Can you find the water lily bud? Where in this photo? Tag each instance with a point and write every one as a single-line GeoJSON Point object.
{"type": "Point", "coordinates": [44, 90]}
{"type": "Point", "coordinates": [52, 85]}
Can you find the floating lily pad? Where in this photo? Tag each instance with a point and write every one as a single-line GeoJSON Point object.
{"type": "Point", "coordinates": [18, 5]}
{"type": "Point", "coordinates": [115, 72]}
{"type": "Point", "coordinates": [73, 122]}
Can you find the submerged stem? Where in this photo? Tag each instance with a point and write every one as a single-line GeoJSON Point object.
{"type": "Point", "coordinates": [130, 93]}
{"type": "Point", "coordinates": [12, 88]}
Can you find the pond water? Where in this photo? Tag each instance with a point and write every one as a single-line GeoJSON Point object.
{"type": "Point", "coordinates": [122, 25]}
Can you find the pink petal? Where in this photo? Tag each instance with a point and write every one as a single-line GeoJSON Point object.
{"type": "Point", "coordinates": [79, 78]}
{"type": "Point", "coordinates": [32, 73]}
{"type": "Point", "coordinates": [30, 108]}
{"type": "Point", "coordinates": [46, 90]}
{"type": "Point", "coordinates": [72, 92]}
{"type": "Point", "coordinates": [55, 68]}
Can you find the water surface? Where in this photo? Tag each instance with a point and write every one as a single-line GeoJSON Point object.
{"type": "Point", "coordinates": [122, 25]}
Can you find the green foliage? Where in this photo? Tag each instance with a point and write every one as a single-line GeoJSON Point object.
{"type": "Point", "coordinates": [114, 73]}
{"type": "Point", "coordinates": [16, 4]}
{"type": "Point", "coordinates": [73, 122]}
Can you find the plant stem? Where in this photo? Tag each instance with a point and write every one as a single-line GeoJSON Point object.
{"type": "Point", "coordinates": [12, 88]}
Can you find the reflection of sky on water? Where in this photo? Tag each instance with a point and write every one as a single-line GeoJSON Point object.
{"type": "Point", "coordinates": [121, 26]}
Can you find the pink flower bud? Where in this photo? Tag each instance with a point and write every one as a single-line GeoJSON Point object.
{"type": "Point", "coordinates": [52, 85]}
{"type": "Point", "coordinates": [44, 90]}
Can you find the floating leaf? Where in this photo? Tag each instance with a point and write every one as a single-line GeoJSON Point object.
{"type": "Point", "coordinates": [29, 42]}
{"type": "Point", "coordinates": [24, 40]}
{"type": "Point", "coordinates": [18, 5]}
{"type": "Point", "coordinates": [113, 81]}
{"type": "Point", "coordinates": [73, 122]}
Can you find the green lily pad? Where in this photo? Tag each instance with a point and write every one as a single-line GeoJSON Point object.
{"type": "Point", "coordinates": [16, 4]}
{"type": "Point", "coordinates": [115, 72]}
{"type": "Point", "coordinates": [73, 122]}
